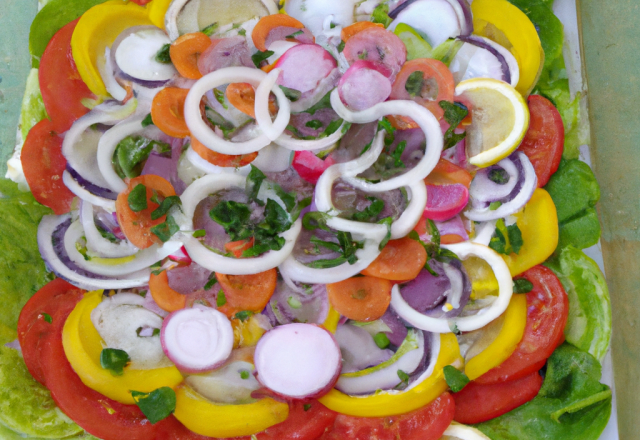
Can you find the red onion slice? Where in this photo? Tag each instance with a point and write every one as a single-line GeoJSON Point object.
{"type": "Point", "coordinates": [298, 361]}
{"type": "Point", "coordinates": [198, 339]}
{"type": "Point", "coordinates": [135, 52]}
{"type": "Point", "coordinates": [483, 189]}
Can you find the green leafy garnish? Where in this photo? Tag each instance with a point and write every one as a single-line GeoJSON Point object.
{"type": "Point", "coordinates": [46, 317]}
{"type": "Point", "coordinates": [306, 407]}
{"type": "Point", "coordinates": [385, 221]}
{"type": "Point", "coordinates": [199, 233]}
{"type": "Point", "coordinates": [295, 34]}
{"type": "Point", "coordinates": [414, 83]}
{"type": "Point", "coordinates": [522, 285]}
{"type": "Point", "coordinates": [454, 113]}
{"type": "Point", "coordinates": [404, 380]}
{"type": "Point", "coordinates": [163, 55]}
{"type": "Point", "coordinates": [243, 315]}
{"type": "Point", "coordinates": [131, 153]}
{"type": "Point", "coordinates": [156, 405]}
{"type": "Point", "coordinates": [147, 121]}
{"type": "Point", "coordinates": [219, 95]}
{"type": "Point", "coordinates": [434, 251]}
{"type": "Point", "coordinates": [314, 220]}
{"type": "Point", "coordinates": [244, 374]}
{"type": "Point", "coordinates": [346, 246]}
{"type": "Point", "coordinates": [242, 32]}
{"type": "Point", "coordinates": [314, 123]}
{"type": "Point", "coordinates": [506, 239]}
{"type": "Point", "coordinates": [499, 176]}
{"type": "Point", "coordinates": [381, 340]}
{"type": "Point", "coordinates": [211, 281]}
{"type": "Point", "coordinates": [371, 212]}
{"type": "Point", "coordinates": [254, 180]}
{"type": "Point", "coordinates": [114, 360]}
{"type": "Point", "coordinates": [340, 46]}
{"type": "Point", "coordinates": [221, 299]}
{"type": "Point", "coordinates": [233, 217]}
{"type": "Point", "coordinates": [381, 15]}
{"type": "Point", "coordinates": [291, 94]}
{"type": "Point", "coordinates": [276, 220]}
{"type": "Point", "coordinates": [164, 231]}
{"type": "Point", "coordinates": [259, 57]}
{"type": "Point", "coordinates": [165, 206]}
{"type": "Point", "coordinates": [294, 302]}
{"type": "Point", "coordinates": [210, 30]}
{"type": "Point", "coordinates": [455, 378]}
{"type": "Point", "coordinates": [494, 205]}
{"type": "Point", "coordinates": [137, 198]}
{"type": "Point", "coordinates": [325, 102]}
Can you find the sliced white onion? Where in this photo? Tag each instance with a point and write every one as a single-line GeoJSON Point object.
{"type": "Point", "coordinates": [484, 189]}
{"type": "Point", "coordinates": [514, 205]}
{"type": "Point", "coordinates": [96, 242]}
{"type": "Point", "coordinates": [47, 226]}
{"type": "Point", "coordinates": [197, 339]}
{"type": "Point", "coordinates": [279, 47]}
{"type": "Point", "coordinates": [464, 323]}
{"type": "Point", "coordinates": [136, 55]}
{"type": "Point", "coordinates": [106, 69]}
{"type": "Point", "coordinates": [220, 77]}
{"type": "Point", "coordinates": [514, 69]}
{"type": "Point", "coordinates": [298, 360]}
{"type": "Point", "coordinates": [273, 159]}
{"type": "Point", "coordinates": [142, 260]}
{"type": "Point", "coordinates": [484, 232]}
{"type": "Point", "coordinates": [210, 168]}
{"type": "Point", "coordinates": [359, 350]}
{"type": "Point", "coordinates": [83, 194]}
{"type": "Point", "coordinates": [417, 193]}
{"type": "Point", "coordinates": [425, 120]}
{"type": "Point", "coordinates": [313, 14]}
{"type": "Point", "coordinates": [227, 384]}
{"type": "Point", "coordinates": [271, 129]}
{"type": "Point", "coordinates": [208, 259]}
{"type": "Point", "coordinates": [437, 19]}
{"type": "Point", "coordinates": [464, 432]}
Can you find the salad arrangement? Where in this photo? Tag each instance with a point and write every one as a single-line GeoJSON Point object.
{"type": "Point", "coordinates": [309, 220]}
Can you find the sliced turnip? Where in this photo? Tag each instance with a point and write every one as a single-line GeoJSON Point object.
{"type": "Point", "coordinates": [364, 85]}
{"type": "Point", "coordinates": [298, 361]}
{"type": "Point", "coordinates": [379, 46]}
{"type": "Point", "coordinates": [233, 383]}
{"type": "Point", "coordinates": [296, 62]}
{"type": "Point", "coordinates": [225, 52]}
{"type": "Point", "coordinates": [136, 54]}
{"type": "Point", "coordinates": [198, 339]}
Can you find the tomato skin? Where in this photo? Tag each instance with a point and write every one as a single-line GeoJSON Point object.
{"type": "Point", "coordinates": [60, 83]}
{"type": "Point", "coordinates": [428, 423]}
{"type": "Point", "coordinates": [478, 403]}
{"type": "Point", "coordinates": [547, 312]}
{"type": "Point", "coordinates": [309, 166]}
{"type": "Point", "coordinates": [43, 165]}
{"type": "Point", "coordinates": [544, 141]}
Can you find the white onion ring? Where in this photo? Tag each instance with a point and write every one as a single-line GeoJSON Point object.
{"type": "Point", "coordinates": [199, 253]}
{"type": "Point", "coordinates": [425, 120]}
{"type": "Point", "coordinates": [484, 189]}
{"type": "Point", "coordinates": [271, 129]}
{"type": "Point", "coordinates": [196, 160]}
{"type": "Point", "coordinates": [286, 141]}
{"type": "Point", "coordinates": [96, 242]}
{"type": "Point", "coordinates": [464, 323]}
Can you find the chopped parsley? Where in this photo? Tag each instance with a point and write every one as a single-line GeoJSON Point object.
{"type": "Point", "coordinates": [454, 113]}
{"type": "Point", "coordinates": [163, 56]}
{"type": "Point", "coordinates": [137, 198]}
{"type": "Point", "coordinates": [156, 405]}
{"type": "Point", "coordinates": [219, 95]}
{"type": "Point", "coordinates": [164, 231]}
{"type": "Point", "coordinates": [455, 378]}
{"type": "Point", "coordinates": [259, 57]}
{"type": "Point", "coordinates": [522, 285]}
{"type": "Point", "coordinates": [210, 30]}
{"type": "Point", "coordinates": [381, 15]}
{"type": "Point", "coordinates": [114, 360]}
{"type": "Point", "coordinates": [165, 206]}
{"type": "Point", "coordinates": [506, 239]}
{"type": "Point", "coordinates": [414, 83]}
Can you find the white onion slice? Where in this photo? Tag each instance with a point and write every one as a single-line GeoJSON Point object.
{"type": "Point", "coordinates": [142, 260]}
{"type": "Point", "coordinates": [273, 159]}
{"type": "Point", "coordinates": [464, 432]}
{"type": "Point", "coordinates": [271, 129]}
{"type": "Point", "coordinates": [484, 232]}
{"type": "Point", "coordinates": [209, 168]}
{"type": "Point", "coordinates": [298, 360]}
{"type": "Point", "coordinates": [136, 55]}
{"type": "Point", "coordinates": [484, 189]}
{"type": "Point", "coordinates": [425, 120]}
{"type": "Point", "coordinates": [417, 193]}
{"type": "Point", "coordinates": [463, 323]}
{"type": "Point", "coordinates": [208, 259]}
{"type": "Point", "coordinates": [197, 339]}
{"type": "Point", "coordinates": [514, 69]}
{"type": "Point", "coordinates": [106, 69]}
{"type": "Point", "coordinates": [437, 19]}
{"type": "Point", "coordinates": [515, 204]}
{"type": "Point", "coordinates": [96, 242]}
{"type": "Point", "coordinates": [83, 194]}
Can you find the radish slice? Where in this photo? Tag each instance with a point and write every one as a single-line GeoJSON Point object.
{"type": "Point", "coordinates": [136, 55]}
{"type": "Point", "coordinates": [463, 323]}
{"type": "Point", "coordinates": [364, 85]}
{"type": "Point", "coordinates": [445, 201]}
{"type": "Point", "coordinates": [296, 68]}
{"type": "Point", "coordinates": [298, 361]}
{"type": "Point", "coordinates": [198, 339]}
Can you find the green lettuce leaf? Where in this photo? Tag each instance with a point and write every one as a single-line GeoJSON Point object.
{"type": "Point", "coordinates": [51, 18]}
{"type": "Point", "coordinates": [32, 110]}
{"type": "Point", "coordinates": [589, 323]}
{"type": "Point", "coordinates": [20, 263]}
{"type": "Point", "coordinates": [575, 191]}
{"type": "Point", "coordinates": [572, 403]}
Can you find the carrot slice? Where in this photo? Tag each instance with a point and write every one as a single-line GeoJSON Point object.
{"type": "Point", "coordinates": [451, 239]}
{"type": "Point", "coordinates": [356, 27]}
{"type": "Point", "coordinates": [243, 97]}
{"type": "Point", "coordinates": [186, 50]}
{"type": "Point", "coordinates": [247, 292]}
{"type": "Point", "coordinates": [219, 159]}
{"type": "Point", "coordinates": [167, 111]}
{"type": "Point", "coordinates": [401, 259]}
{"type": "Point", "coordinates": [137, 225]}
{"type": "Point", "coordinates": [361, 298]}
{"type": "Point", "coordinates": [447, 173]}
{"type": "Point", "coordinates": [267, 24]}
{"type": "Point", "coordinates": [167, 298]}
{"type": "Point", "coordinates": [238, 247]}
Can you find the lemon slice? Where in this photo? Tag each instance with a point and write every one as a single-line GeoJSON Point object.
{"type": "Point", "coordinates": [500, 119]}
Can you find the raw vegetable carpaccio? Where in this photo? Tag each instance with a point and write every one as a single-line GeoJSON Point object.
{"type": "Point", "coordinates": [312, 220]}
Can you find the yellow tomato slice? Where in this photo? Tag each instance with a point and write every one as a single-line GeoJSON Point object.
{"type": "Point", "coordinates": [538, 223]}
{"type": "Point", "coordinates": [391, 403]}
{"type": "Point", "coordinates": [499, 20]}
{"type": "Point", "coordinates": [217, 420]}
{"type": "Point", "coordinates": [82, 346]}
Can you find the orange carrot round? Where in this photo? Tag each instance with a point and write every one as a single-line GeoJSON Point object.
{"type": "Point", "coordinates": [400, 260]}
{"type": "Point", "coordinates": [360, 298]}
{"type": "Point", "coordinates": [267, 24]}
{"type": "Point", "coordinates": [167, 298]}
{"type": "Point", "coordinates": [167, 111]}
{"type": "Point", "coordinates": [247, 292]}
{"type": "Point", "coordinates": [356, 27]}
{"type": "Point", "coordinates": [219, 159]}
{"type": "Point", "coordinates": [185, 52]}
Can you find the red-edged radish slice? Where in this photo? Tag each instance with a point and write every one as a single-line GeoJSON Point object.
{"type": "Point", "coordinates": [298, 361]}
{"type": "Point", "coordinates": [198, 339]}
{"type": "Point", "coordinates": [445, 201]}
{"type": "Point", "coordinates": [297, 72]}
{"type": "Point", "coordinates": [364, 85]}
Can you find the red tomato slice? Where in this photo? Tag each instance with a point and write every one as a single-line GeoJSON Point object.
{"type": "Point", "coordinates": [62, 88]}
{"type": "Point", "coordinates": [547, 311]}
{"type": "Point", "coordinates": [428, 423]}
{"type": "Point", "coordinates": [32, 325]}
{"type": "Point", "coordinates": [309, 166]}
{"type": "Point", "coordinates": [478, 403]}
{"type": "Point", "coordinates": [43, 165]}
{"type": "Point", "coordinates": [544, 142]}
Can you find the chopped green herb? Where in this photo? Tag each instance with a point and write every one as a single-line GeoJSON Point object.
{"type": "Point", "coordinates": [363, 55]}
{"type": "Point", "coordinates": [211, 282]}
{"type": "Point", "coordinates": [210, 30]}
{"type": "Point", "coordinates": [454, 113]}
{"type": "Point", "coordinates": [163, 55]}
{"type": "Point", "coordinates": [314, 220]}
{"type": "Point", "coordinates": [332, 127]}
{"type": "Point", "coordinates": [340, 46]}
{"type": "Point", "coordinates": [494, 205]}
{"type": "Point", "coordinates": [381, 340]}
{"type": "Point", "coordinates": [243, 315]}
{"type": "Point", "coordinates": [46, 317]}
{"type": "Point", "coordinates": [385, 125]}
{"type": "Point", "coordinates": [294, 302]}
{"type": "Point", "coordinates": [414, 83]}
{"type": "Point", "coordinates": [164, 231]}
{"type": "Point", "coordinates": [381, 15]}
{"type": "Point", "coordinates": [259, 57]}
{"type": "Point", "coordinates": [371, 212]}
{"type": "Point", "coordinates": [221, 299]}
{"type": "Point", "coordinates": [346, 246]}
{"type": "Point", "coordinates": [156, 268]}
{"type": "Point", "coordinates": [396, 155]}
{"type": "Point", "coordinates": [522, 285]}
{"type": "Point", "coordinates": [254, 181]}
{"type": "Point", "coordinates": [454, 329]}
{"type": "Point", "coordinates": [499, 176]}
{"type": "Point", "coordinates": [306, 407]}
{"type": "Point", "coordinates": [155, 332]}
{"type": "Point", "coordinates": [199, 233]}
{"type": "Point", "coordinates": [404, 380]}
{"type": "Point", "coordinates": [130, 154]}
{"type": "Point", "coordinates": [314, 123]}
{"type": "Point", "coordinates": [292, 94]}
{"type": "Point", "coordinates": [386, 221]}
{"type": "Point", "coordinates": [165, 206]}
{"type": "Point", "coordinates": [295, 34]}
{"type": "Point", "coordinates": [114, 360]}
{"type": "Point", "coordinates": [156, 405]}
{"type": "Point", "coordinates": [137, 198]}
{"type": "Point", "coordinates": [244, 374]}
{"type": "Point", "coordinates": [332, 25]}
{"type": "Point", "coordinates": [455, 378]}
{"type": "Point", "coordinates": [506, 239]}
{"type": "Point", "coordinates": [242, 32]}
{"type": "Point", "coordinates": [219, 95]}
{"type": "Point", "coordinates": [147, 121]}
{"type": "Point", "coordinates": [325, 102]}
{"type": "Point", "coordinates": [233, 217]}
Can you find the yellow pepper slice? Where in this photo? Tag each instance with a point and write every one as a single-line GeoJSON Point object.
{"type": "Point", "coordinates": [538, 223]}
{"type": "Point", "coordinates": [157, 9]}
{"type": "Point", "coordinates": [217, 420]}
{"type": "Point", "coordinates": [499, 20]}
{"type": "Point", "coordinates": [331, 322]}
{"type": "Point", "coordinates": [97, 29]}
{"type": "Point", "coordinates": [82, 346]}
{"type": "Point", "coordinates": [390, 403]}
{"type": "Point", "coordinates": [515, 320]}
